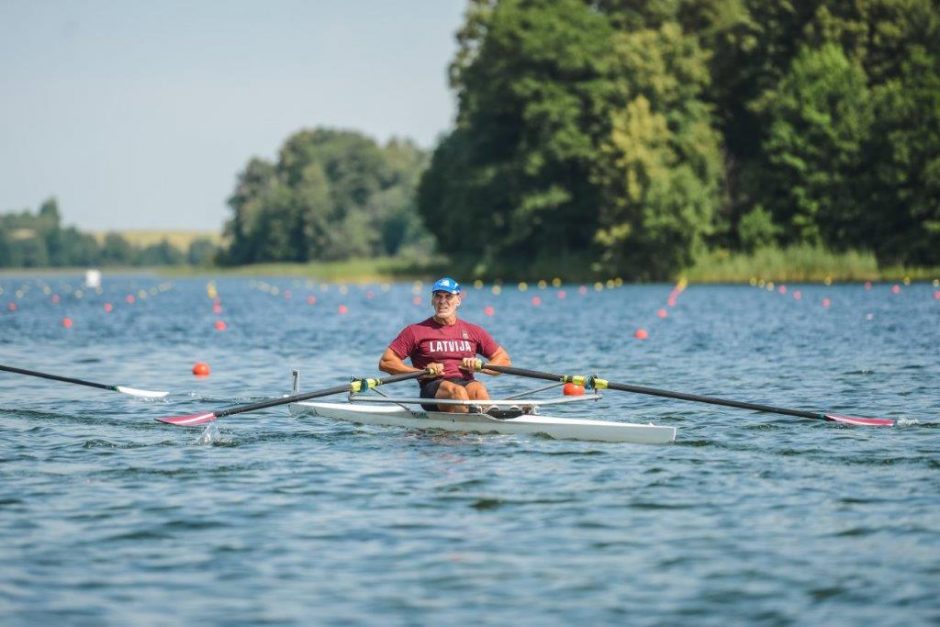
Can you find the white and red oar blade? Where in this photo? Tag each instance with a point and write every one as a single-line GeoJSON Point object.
{"type": "Point", "coordinates": [192, 420]}
{"type": "Point", "coordinates": [860, 421]}
{"type": "Point", "coordinates": [140, 393]}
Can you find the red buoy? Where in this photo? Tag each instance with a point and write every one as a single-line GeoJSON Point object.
{"type": "Point", "coordinates": [220, 325]}
{"type": "Point", "coordinates": [572, 389]}
{"type": "Point", "coordinates": [536, 301]}
{"type": "Point", "coordinates": [826, 303]}
{"type": "Point", "coordinates": [662, 313]}
{"type": "Point", "coordinates": [311, 300]}
{"type": "Point", "coordinates": [641, 334]}
{"type": "Point", "coordinates": [343, 309]}
{"type": "Point", "coordinates": [201, 369]}
{"type": "Point", "coordinates": [108, 307]}
{"type": "Point", "coordinates": [488, 310]}
{"type": "Point", "coordinates": [67, 323]}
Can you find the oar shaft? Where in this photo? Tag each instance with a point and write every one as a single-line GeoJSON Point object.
{"type": "Point", "coordinates": [652, 391]}
{"type": "Point", "coordinates": [339, 389]}
{"type": "Point", "coordinates": [638, 389]}
{"type": "Point", "coordinates": [55, 377]}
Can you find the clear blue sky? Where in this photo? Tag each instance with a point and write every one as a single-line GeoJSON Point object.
{"type": "Point", "coordinates": [140, 113]}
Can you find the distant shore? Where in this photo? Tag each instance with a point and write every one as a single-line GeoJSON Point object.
{"type": "Point", "coordinates": [797, 265]}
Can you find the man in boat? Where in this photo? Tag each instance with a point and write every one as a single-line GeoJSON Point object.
{"type": "Point", "coordinates": [448, 347]}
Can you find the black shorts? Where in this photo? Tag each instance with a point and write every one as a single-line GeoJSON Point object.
{"type": "Point", "coordinates": [429, 388]}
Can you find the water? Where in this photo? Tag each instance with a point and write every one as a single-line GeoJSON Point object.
{"type": "Point", "coordinates": [111, 517]}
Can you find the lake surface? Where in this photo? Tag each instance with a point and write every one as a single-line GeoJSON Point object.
{"type": "Point", "coordinates": [109, 517]}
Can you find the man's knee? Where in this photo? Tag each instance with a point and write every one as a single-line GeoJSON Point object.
{"type": "Point", "coordinates": [453, 391]}
{"type": "Point", "coordinates": [477, 390]}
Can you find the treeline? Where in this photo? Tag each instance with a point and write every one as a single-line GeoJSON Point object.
{"type": "Point", "coordinates": [633, 136]}
{"type": "Point", "coordinates": [38, 240]}
{"type": "Point", "coordinates": [331, 195]}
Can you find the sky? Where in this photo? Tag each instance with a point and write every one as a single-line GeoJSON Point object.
{"type": "Point", "coordinates": [139, 114]}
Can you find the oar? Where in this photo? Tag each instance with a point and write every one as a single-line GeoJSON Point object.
{"type": "Point", "coordinates": [355, 386]}
{"type": "Point", "coordinates": [114, 388]}
{"type": "Point", "coordinates": [601, 384]}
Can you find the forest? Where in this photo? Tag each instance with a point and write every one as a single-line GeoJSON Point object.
{"type": "Point", "coordinates": [618, 138]}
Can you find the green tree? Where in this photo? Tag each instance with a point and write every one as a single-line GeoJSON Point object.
{"type": "Point", "coordinates": [512, 181]}
{"type": "Point", "coordinates": [662, 170]}
{"type": "Point", "coordinates": [331, 195]}
{"type": "Point", "coordinates": [818, 119]}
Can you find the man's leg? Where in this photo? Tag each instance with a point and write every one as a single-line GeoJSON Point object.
{"type": "Point", "coordinates": [452, 391]}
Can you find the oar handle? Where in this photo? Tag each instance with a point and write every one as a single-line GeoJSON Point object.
{"type": "Point", "coordinates": [55, 377]}
{"type": "Point", "coordinates": [535, 374]}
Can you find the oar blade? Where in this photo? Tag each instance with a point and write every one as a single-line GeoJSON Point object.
{"type": "Point", "coordinates": [140, 393]}
{"type": "Point", "coordinates": [191, 420]}
{"type": "Point", "coordinates": [860, 421]}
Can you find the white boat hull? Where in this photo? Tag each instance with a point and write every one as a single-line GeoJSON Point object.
{"type": "Point", "coordinates": [558, 428]}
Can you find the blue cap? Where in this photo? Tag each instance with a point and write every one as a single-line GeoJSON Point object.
{"type": "Point", "coordinates": [446, 284]}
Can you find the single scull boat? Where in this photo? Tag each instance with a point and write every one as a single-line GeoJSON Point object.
{"type": "Point", "coordinates": [524, 419]}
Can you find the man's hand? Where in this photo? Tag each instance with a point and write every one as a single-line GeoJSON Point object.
{"type": "Point", "coordinates": [471, 364]}
{"type": "Point", "coordinates": [435, 369]}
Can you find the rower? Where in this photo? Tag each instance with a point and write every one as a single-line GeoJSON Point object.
{"type": "Point", "coordinates": [447, 347]}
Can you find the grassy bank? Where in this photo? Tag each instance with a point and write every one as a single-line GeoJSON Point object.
{"type": "Point", "coordinates": [799, 263]}
{"type": "Point", "coordinates": [353, 270]}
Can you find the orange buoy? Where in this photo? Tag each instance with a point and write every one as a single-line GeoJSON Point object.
{"type": "Point", "coordinates": [641, 334]}
{"type": "Point", "coordinates": [662, 313]}
{"type": "Point", "coordinates": [201, 369]}
{"type": "Point", "coordinates": [562, 294]}
{"type": "Point", "coordinates": [797, 294]}
{"type": "Point", "coordinates": [129, 299]}
{"type": "Point", "coordinates": [782, 289]}
{"type": "Point", "coordinates": [108, 307]}
{"type": "Point", "coordinates": [572, 389]}
{"type": "Point", "coordinates": [343, 309]}
{"type": "Point", "coordinates": [536, 301]}
{"type": "Point", "coordinates": [488, 310]}
{"type": "Point", "coordinates": [220, 325]}
{"type": "Point", "coordinates": [895, 289]}
{"type": "Point", "coordinates": [67, 323]}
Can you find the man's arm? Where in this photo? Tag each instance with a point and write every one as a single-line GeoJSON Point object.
{"type": "Point", "coordinates": [499, 358]}
{"type": "Point", "coordinates": [393, 364]}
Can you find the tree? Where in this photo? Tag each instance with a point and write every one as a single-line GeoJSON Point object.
{"type": "Point", "coordinates": [661, 170]}
{"type": "Point", "coordinates": [331, 195]}
{"type": "Point", "coordinates": [817, 120]}
{"type": "Point", "coordinates": [512, 181]}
